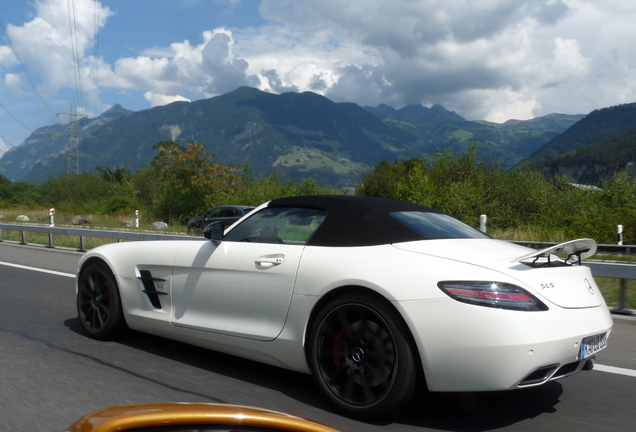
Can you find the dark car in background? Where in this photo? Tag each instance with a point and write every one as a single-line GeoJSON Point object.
{"type": "Point", "coordinates": [226, 214]}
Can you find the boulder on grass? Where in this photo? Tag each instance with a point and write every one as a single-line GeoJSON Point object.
{"type": "Point", "coordinates": [22, 218]}
{"type": "Point", "coordinates": [159, 225]}
{"type": "Point", "coordinates": [128, 223]}
{"type": "Point", "coordinates": [81, 220]}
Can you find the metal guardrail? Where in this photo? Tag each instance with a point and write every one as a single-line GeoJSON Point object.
{"type": "Point", "coordinates": [620, 271]}
{"type": "Point", "coordinates": [82, 233]}
{"type": "Point", "coordinates": [604, 248]}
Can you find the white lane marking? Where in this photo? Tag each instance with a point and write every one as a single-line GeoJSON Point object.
{"type": "Point", "coordinates": [615, 370]}
{"type": "Point", "coordinates": [53, 272]}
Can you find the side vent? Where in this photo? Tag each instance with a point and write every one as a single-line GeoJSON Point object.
{"type": "Point", "coordinates": [149, 288]}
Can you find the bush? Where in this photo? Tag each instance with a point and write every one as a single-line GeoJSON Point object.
{"type": "Point", "coordinates": [465, 187]}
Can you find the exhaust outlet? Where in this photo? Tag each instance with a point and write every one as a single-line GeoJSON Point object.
{"type": "Point", "coordinates": [589, 364]}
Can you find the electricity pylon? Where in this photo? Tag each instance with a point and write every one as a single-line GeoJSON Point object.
{"type": "Point", "coordinates": [72, 149]}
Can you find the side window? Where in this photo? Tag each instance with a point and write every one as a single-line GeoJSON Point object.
{"type": "Point", "coordinates": [278, 225]}
{"type": "Point", "coordinates": [213, 213]}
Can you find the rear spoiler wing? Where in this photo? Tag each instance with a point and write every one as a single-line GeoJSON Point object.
{"type": "Point", "coordinates": [576, 251]}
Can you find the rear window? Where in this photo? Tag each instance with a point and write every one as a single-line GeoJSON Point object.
{"type": "Point", "coordinates": [436, 225]}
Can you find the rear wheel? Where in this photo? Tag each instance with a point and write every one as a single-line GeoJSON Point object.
{"type": "Point", "coordinates": [361, 357]}
{"type": "Point", "coordinates": [98, 303]}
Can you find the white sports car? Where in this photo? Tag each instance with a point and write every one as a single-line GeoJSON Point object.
{"type": "Point", "coordinates": [374, 297]}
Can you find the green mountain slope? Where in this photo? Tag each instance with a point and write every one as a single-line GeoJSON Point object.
{"type": "Point", "coordinates": [597, 126]}
{"type": "Point", "coordinates": [595, 162]}
{"type": "Point", "coordinates": [49, 141]}
{"type": "Point", "coordinates": [299, 134]}
{"type": "Point", "coordinates": [293, 132]}
{"type": "Point", "coordinates": [437, 128]}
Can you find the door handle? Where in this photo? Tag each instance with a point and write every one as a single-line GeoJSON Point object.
{"type": "Point", "coordinates": [268, 261]}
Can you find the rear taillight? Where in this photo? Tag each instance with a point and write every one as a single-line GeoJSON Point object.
{"type": "Point", "coordinates": [498, 295]}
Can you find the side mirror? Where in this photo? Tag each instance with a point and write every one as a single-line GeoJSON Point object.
{"type": "Point", "coordinates": [189, 417]}
{"type": "Point", "coordinates": [214, 231]}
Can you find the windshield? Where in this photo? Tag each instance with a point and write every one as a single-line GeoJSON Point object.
{"type": "Point", "coordinates": [436, 225]}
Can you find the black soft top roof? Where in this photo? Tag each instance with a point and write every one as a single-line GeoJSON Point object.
{"type": "Point", "coordinates": [356, 221]}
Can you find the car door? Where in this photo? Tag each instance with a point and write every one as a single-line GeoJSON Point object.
{"type": "Point", "coordinates": [211, 216]}
{"type": "Point", "coordinates": [229, 215]}
{"type": "Point", "coordinates": [242, 286]}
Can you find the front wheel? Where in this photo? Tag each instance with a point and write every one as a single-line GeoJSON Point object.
{"type": "Point", "coordinates": [98, 303]}
{"type": "Point", "coordinates": [361, 356]}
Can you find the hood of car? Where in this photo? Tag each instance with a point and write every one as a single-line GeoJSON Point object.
{"type": "Point", "coordinates": [567, 286]}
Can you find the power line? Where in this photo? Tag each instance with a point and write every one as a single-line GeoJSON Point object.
{"type": "Point", "coordinates": [15, 118]}
{"type": "Point", "coordinates": [15, 53]}
{"type": "Point", "coordinates": [96, 52]}
{"type": "Point", "coordinates": [6, 141]}
{"type": "Point", "coordinates": [16, 148]}
{"type": "Point", "coordinates": [76, 57]}
{"type": "Point", "coordinates": [75, 112]}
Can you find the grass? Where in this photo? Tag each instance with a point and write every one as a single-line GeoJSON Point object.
{"type": "Point", "coordinates": [611, 290]}
{"type": "Point", "coordinates": [103, 222]}
{"type": "Point", "coordinates": [316, 159]}
{"type": "Point", "coordinates": [530, 233]}
{"type": "Point", "coordinates": [41, 217]}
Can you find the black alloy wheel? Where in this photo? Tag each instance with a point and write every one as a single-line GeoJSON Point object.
{"type": "Point", "coordinates": [98, 303]}
{"type": "Point", "coordinates": [361, 358]}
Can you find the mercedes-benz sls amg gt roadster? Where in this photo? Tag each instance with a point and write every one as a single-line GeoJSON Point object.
{"type": "Point", "coordinates": [374, 297]}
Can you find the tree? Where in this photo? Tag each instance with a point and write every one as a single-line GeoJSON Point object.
{"type": "Point", "coordinates": [5, 190]}
{"type": "Point", "coordinates": [193, 181]}
{"type": "Point", "coordinates": [118, 174]}
{"type": "Point", "coordinates": [4, 181]}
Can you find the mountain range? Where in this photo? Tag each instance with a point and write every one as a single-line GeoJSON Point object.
{"type": "Point", "coordinates": [300, 135]}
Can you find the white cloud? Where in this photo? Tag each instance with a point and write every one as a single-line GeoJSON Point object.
{"type": "Point", "coordinates": [505, 105]}
{"type": "Point", "coordinates": [46, 46]}
{"type": "Point", "coordinates": [6, 57]}
{"type": "Point", "coordinates": [491, 59]}
{"type": "Point", "coordinates": [487, 59]}
{"type": "Point", "coordinates": [14, 84]}
{"type": "Point", "coordinates": [160, 99]}
{"type": "Point", "coordinates": [3, 147]}
{"type": "Point", "coordinates": [210, 68]}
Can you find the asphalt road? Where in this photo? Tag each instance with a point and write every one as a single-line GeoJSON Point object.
{"type": "Point", "coordinates": [51, 374]}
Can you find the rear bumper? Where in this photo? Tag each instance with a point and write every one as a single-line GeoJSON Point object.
{"type": "Point", "coordinates": [486, 349]}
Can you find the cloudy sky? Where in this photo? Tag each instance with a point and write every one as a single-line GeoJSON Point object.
{"type": "Point", "coordinates": [485, 59]}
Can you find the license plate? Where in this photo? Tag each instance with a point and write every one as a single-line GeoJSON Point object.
{"type": "Point", "coordinates": [593, 344]}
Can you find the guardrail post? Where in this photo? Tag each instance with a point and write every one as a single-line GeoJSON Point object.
{"type": "Point", "coordinates": [623, 301]}
{"type": "Point", "coordinates": [23, 237]}
{"type": "Point", "coordinates": [51, 224]}
{"type": "Point", "coordinates": [81, 248]}
{"type": "Point", "coordinates": [0, 236]}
